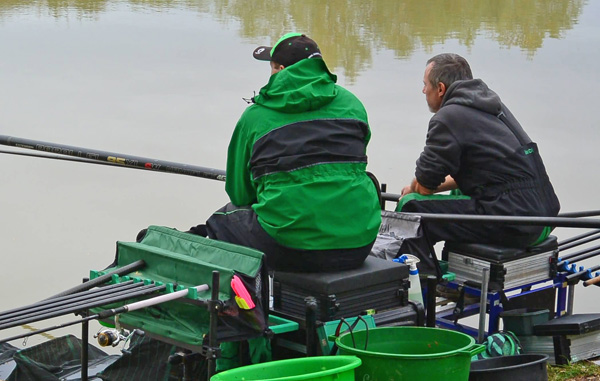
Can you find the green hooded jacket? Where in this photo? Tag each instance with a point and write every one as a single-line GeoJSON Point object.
{"type": "Point", "coordinates": [298, 157]}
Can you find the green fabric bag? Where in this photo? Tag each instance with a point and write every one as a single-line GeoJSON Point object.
{"type": "Point", "coordinates": [187, 260]}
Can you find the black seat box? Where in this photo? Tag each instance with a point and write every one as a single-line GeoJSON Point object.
{"type": "Point", "coordinates": [377, 285]}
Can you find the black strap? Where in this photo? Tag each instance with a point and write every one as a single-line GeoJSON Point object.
{"type": "Point", "coordinates": [460, 305]}
{"type": "Point", "coordinates": [343, 321]}
{"type": "Point", "coordinates": [377, 187]}
{"type": "Point", "coordinates": [541, 174]}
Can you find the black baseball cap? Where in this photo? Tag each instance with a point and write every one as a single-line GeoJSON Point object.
{"type": "Point", "coordinates": [288, 50]}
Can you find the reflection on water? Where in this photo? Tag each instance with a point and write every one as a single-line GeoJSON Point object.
{"type": "Point", "coordinates": [350, 32]}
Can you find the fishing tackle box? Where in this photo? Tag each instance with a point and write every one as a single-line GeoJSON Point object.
{"type": "Point", "coordinates": [574, 337]}
{"type": "Point", "coordinates": [509, 267]}
{"type": "Point", "coordinates": [376, 286]}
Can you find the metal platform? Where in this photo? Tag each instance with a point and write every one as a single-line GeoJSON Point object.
{"type": "Point", "coordinates": [452, 313]}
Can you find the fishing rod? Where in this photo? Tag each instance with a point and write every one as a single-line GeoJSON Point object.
{"type": "Point", "coordinates": [83, 290]}
{"type": "Point", "coordinates": [47, 314]}
{"type": "Point", "coordinates": [90, 156]}
{"type": "Point", "coordinates": [577, 237]}
{"type": "Point", "coordinates": [54, 157]}
{"type": "Point", "coordinates": [49, 305]}
{"type": "Point", "coordinates": [589, 213]}
{"type": "Point", "coordinates": [579, 255]}
{"type": "Point", "coordinates": [138, 162]}
{"type": "Point", "coordinates": [115, 311]}
{"type": "Point", "coordinates": [565, 246]}
{"type": "Point", "coordinates": [134, 266]}
{"type": "Point", "coordinates": [114, 158]}
{"type": "Point", "coordinates": [565, 222]}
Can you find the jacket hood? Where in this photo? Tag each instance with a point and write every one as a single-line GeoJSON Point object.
{"type": "Point", "coordinates": [304, 86]}
{"type": "Point", "coordinates": [473, 93]}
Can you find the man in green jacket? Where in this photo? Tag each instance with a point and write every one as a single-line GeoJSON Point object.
{"type": "Point", "coordinates": [296, 168]}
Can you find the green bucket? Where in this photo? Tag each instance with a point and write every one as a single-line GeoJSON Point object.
{"type": "Point", "coordinates": [410, 353]}
{"type": "Point", "coordinates": [322, 368]}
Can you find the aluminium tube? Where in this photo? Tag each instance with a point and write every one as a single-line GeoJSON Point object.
{"type": "Point", "coordinates": [483, 305]}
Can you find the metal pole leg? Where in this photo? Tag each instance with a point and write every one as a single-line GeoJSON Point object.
{"type": "Point", "coordinates": [431, 285]}
{"type": "Point", "coordinates": [483, 305]}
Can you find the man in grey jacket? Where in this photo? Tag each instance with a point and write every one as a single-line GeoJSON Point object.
{"type": "Point", "coordinates": [478, 150]}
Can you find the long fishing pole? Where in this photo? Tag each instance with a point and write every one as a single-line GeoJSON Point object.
{"type": "Point", "coordinates": [134, 266]}
{"type": "Point", "coordinates": [138, 162]}
{"type": "Point", "coordinates": [49, 305]}
{"type": "Point", "coordinates": [576, 238]}
{"type": "Point", "coordinates": [73, 308]}
{"type": "Point", "coordinates": [565, 222]}
{"type": "Point", "coordinates": [589, 213]}
{"type": "Point", "coordinates": [578, 256]}
{"type": "Point", "coordinates": [114, 158]}
{"type": "Point", "coordinates": [582, 241]}
{"type": "Point", "coordinates": [54, 157]}
{"type": "Point", "coordinates": [114, 311]}
{"type": "Point", "coordinates": [90, 156]}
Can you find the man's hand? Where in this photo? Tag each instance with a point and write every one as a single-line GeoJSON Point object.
{"type": "Point", "coordinates": [406, 190]}
{"type": "Point", "coordinates": [416, 187]}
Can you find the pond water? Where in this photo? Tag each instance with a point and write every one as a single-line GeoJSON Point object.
{"type": "Point", "coordinates": [166, 79]}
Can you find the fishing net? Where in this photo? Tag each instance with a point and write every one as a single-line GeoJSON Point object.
{"type": "Point", "coordinates": [54, 360]}
{"type": "Point", "coordinates": [148, 359]}
{"type": "Point", "coordinates": [6, 362]}
{"type": "Point", "coordinates": [6, 352]}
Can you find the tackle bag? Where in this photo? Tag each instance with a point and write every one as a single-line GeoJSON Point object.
{"type": "Point", "coordinates": [402, 233]}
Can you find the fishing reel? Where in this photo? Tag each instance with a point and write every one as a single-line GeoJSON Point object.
{"type": "Point", "coordinates": [111, 336]}
{"type": "Point", "coordinates": [114, 336]}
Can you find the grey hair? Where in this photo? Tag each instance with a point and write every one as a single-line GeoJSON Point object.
{"type": "Point", "coordinates": [448, 68]}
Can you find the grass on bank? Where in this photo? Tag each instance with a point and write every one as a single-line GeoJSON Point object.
{"type": "Point", "coordinates": [579, 371]}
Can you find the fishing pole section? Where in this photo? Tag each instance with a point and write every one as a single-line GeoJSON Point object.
{"type": "Point", "coordinates": [111, 288]}
{"type": "Point", "coordinates": [111, 158]}
{"type": "Point", "coordinates": [105, 337]}
{"type": "Point", "coordinates": [93, 156]}
{"type": "Point", "coordinates": [150, 289]}
{"type": "Point", "coordinates": [90, 156]}
{"type": "Point", "coordinates": [570, 220]}
{"type": "Point", "coordinates": [103, 297]}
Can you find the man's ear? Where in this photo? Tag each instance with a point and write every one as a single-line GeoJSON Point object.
{"type": "Point", "coordinates": [441, 89]}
